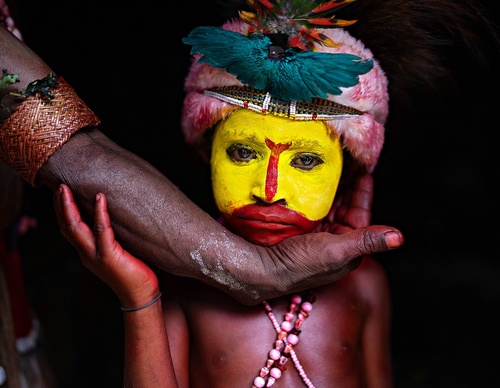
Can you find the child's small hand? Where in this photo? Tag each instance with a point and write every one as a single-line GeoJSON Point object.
{"type": "Point", "coordinates": [132, 280]}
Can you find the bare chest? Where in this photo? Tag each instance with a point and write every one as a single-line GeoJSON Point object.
{"type": "Point", "coordinates": [231, 343]}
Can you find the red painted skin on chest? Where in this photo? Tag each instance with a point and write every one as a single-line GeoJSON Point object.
{"type": "Point", "coordinates": [268, 224]}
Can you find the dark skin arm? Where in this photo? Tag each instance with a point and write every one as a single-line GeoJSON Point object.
{"type": "Point", "coordinates": [156, 222]}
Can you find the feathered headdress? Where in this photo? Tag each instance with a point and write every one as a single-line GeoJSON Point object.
{"type": "Point", "coordinates": [277, 52]}
{"type": "Point", "coordinates": [295, 58]}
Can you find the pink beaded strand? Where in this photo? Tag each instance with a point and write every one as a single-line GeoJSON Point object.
{"type": "Point", "coordinates": [288, 335]}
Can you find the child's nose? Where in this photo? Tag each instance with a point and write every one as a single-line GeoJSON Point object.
{"type": "Point", "coordinates": [265, 190]}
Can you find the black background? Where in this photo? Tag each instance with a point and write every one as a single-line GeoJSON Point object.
{"type": "Point", "coordinates": [436, 181]}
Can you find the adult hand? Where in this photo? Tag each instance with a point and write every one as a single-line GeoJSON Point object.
{"type": "Point", "coordinates": [310, 260]}
{"type": "Point", "coordinates": [316, 259]}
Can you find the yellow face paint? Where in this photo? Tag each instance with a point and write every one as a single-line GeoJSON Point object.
{"type": "Point", "coordinates": [268, 159]}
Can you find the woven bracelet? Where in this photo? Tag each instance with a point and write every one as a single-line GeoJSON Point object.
{"type": "Point", "coordinates": [141, 307]}
{"type": "Point", "coordinates": [40, 126]}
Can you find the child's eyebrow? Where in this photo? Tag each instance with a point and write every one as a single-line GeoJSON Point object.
{"type": "Point", "coordinates": [313, 144]}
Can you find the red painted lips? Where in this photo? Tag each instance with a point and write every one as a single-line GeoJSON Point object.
{"type": "Point", "coordinates": [268, 224]}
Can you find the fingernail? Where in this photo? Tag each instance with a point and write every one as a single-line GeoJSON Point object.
{"type": "Point", "coordinates": [393, 239]}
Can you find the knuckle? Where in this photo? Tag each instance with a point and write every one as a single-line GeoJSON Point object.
{"type": "Point", "coordinates": [370, 242]}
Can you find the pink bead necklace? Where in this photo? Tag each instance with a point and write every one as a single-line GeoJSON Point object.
{"type": "Point", "coordinates": [288, 337]}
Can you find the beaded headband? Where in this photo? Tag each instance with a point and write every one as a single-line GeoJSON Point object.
{"type": "Point", "coordinates": [262, 102]}
{"type": "Point", "coordinates": [274, 63]}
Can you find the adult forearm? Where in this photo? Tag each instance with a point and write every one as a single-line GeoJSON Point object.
{"type": "Point", "coordinates": [151, 217]}
{"type": "Point", "coordinates": [155, 221]}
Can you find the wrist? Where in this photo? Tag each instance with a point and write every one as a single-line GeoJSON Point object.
{"type": "Point", "coordinates": [136, 306]}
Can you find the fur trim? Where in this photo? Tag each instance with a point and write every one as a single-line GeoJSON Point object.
{"type": "Point", "coordinates": [362, 136]}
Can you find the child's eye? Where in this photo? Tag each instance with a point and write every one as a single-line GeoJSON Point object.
{"type": "Point", "coordinates": [306, 161]}
{"type": "Point", "coordinates": [241, 153]}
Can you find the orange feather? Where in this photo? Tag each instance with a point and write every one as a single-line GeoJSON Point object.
{"type": "Point", "coordinates": [330, 5]}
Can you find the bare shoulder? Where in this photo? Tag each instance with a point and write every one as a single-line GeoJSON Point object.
{"type": "Point", "coordinates": [370, 279]}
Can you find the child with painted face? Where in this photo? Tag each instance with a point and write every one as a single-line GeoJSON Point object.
{"type": "Point", "coordinates": [277, 157]}
{"type": "Point", "coordinates": [277, 148]}
{"type": "Point", "coordinates": [274, 178]}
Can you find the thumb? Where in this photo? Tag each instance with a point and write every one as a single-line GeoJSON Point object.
{"type": "Point", "coordinates": [366, 241]}
{"type": "Point", "coordinates": [316, 259]}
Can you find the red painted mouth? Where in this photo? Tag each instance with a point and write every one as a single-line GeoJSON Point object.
{"type": "Point", "coordinates": [268, 224]}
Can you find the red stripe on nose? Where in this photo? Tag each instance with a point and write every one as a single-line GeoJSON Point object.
{"type": "Point", "coordinates": [272, 167]}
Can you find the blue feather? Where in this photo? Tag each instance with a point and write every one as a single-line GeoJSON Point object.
{"type": "Point", "coordinates": [298, 76]}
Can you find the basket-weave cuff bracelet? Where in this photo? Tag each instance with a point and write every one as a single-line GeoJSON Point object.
{"type": "Point", "coordinates": [40, 126]}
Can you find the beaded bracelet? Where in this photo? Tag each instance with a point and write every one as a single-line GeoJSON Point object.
{"type": "Point", "coordinates": [40, 126]}
{"type": "Point", "coordinates": [141, 307]}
